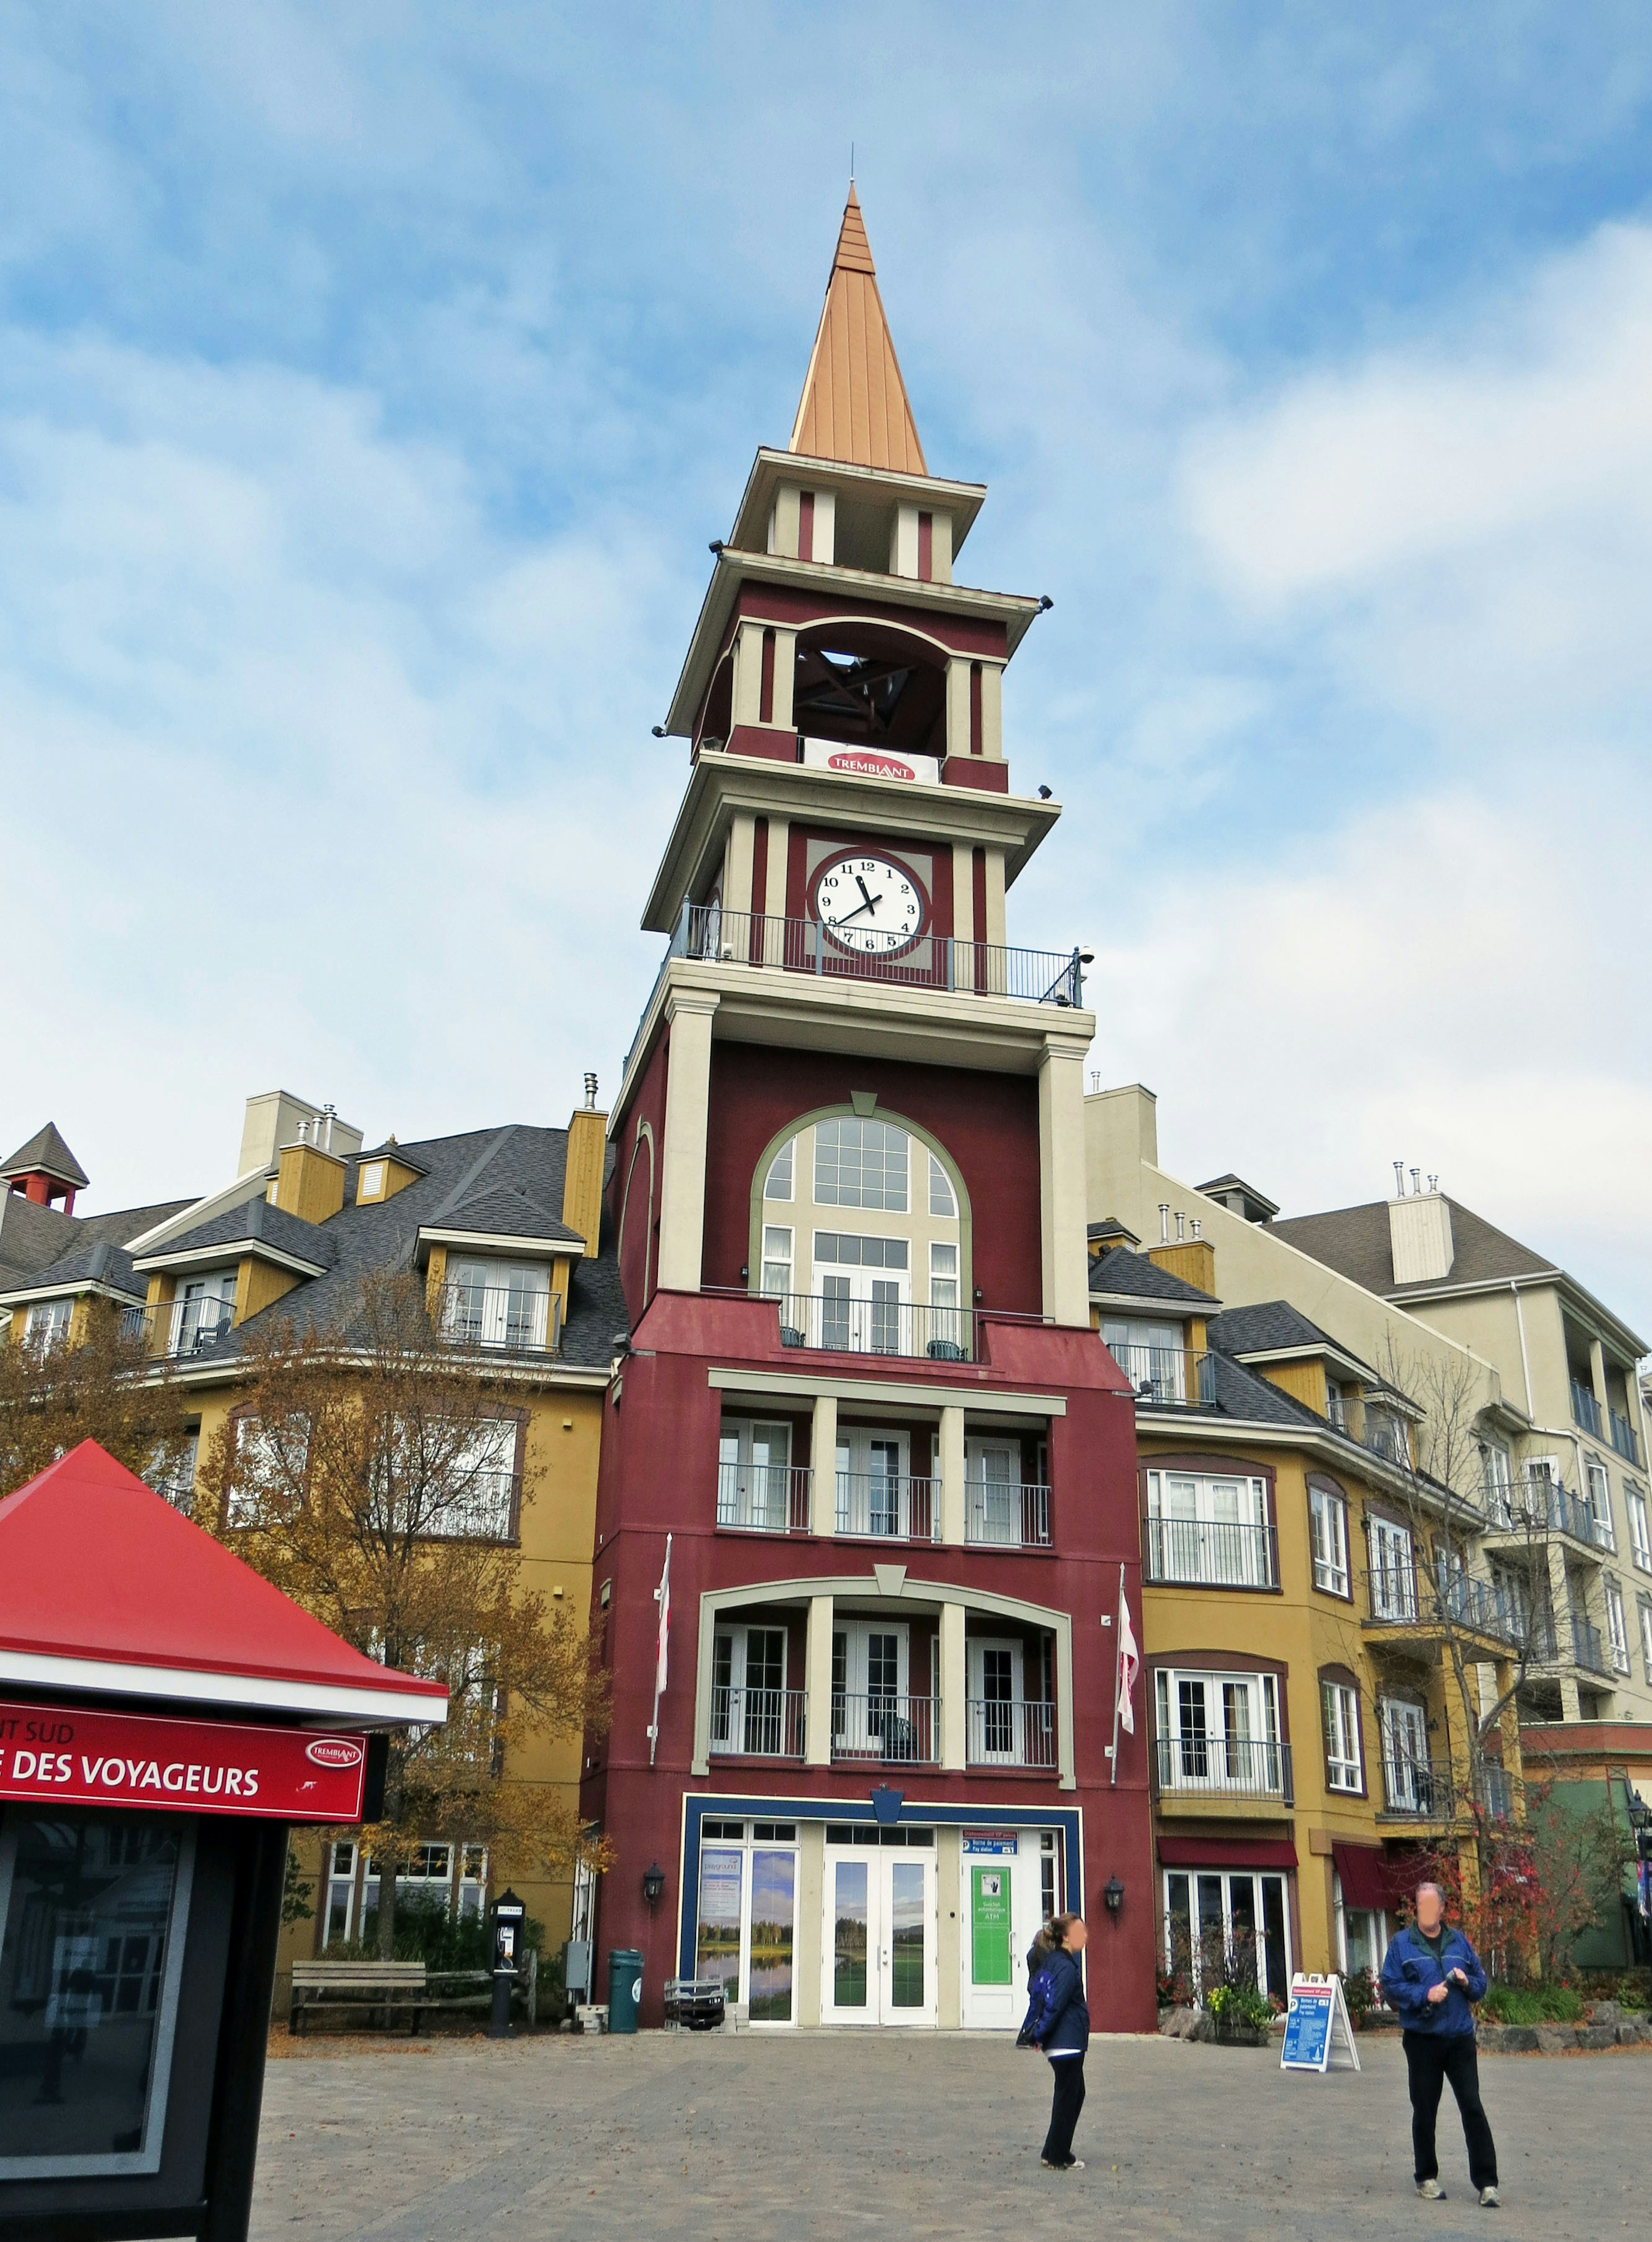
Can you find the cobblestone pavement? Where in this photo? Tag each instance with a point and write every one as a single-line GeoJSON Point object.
{"type": "Point", "coordinates": [721, 2138]}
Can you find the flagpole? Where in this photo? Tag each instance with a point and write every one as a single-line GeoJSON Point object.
{"type": "Point", "coordinates": [1118, 1669]}
{"type": "Point", "coordinates": [661, 1597]}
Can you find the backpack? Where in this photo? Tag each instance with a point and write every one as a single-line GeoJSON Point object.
{"type": "Point", "coordinates": [1040, 1996]}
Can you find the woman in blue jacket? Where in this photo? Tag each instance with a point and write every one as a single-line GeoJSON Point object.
{"type": "Point", "coordinates": [1430, 1975]}
{"type": "Point", "coordinates": [1064, 2035]}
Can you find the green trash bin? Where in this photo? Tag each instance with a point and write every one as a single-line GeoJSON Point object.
{"type": "Point", "coordinates": [625, 1988]}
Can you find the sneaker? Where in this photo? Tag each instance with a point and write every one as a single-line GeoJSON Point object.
{"type": "Point", "coordinates": [1431, 2190]}
{"type": "Point", "coordinates": [1489, 2199]}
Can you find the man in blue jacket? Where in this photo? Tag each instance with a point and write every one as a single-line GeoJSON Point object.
{"type": "Point", "coordinates": [1430, 1975]}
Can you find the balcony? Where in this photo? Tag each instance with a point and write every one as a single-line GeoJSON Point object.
{"type": "Point", "coordinates": [888, 1506]}
{"type": "Point", "coordinates": [1202, 1773]}
{"type": "Point", "coordinates": [1206, 1554]}
{"type": "Point", "coordinates": [930, 961]}
{"type": "Point", "coordinates": [1624, 1438]}
{"type": "Point", "coordinates": [1002, 1732]}
{"type": "Point", "coordinates": [1169, 1377]}
{"type": "Point", "coordinates": [1421, 1790]}
{"type": "Point", "coordinates": [836, 1325]}
{"type": "Point", "coordinates": [1538, 1504]}
{"type": "Point", "coordinates": [179, 1328]}
{"type": "Point", "coordinates": [498, 1319]}
{"type": "Point", "coordinates": [1587, 1648]}
{"type": "Point", "coordinates": [1006, 1514]}
{"type": "Point", "coordinates": [763, 1498]}
{"type": "Point", "coordinates": [758, 1723]}
{"type": "Point", "coordinates": [885, 1731]}
{"type": "Point", "coordinates": [1586, 1410]}
{"type": "Point", "coordinates": [1399, 1597]}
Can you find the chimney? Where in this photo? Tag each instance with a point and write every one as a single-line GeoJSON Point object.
{"type": "Point", "coordinates": [309, 1182]}
{"type": "Point", "coordinates": [587, 1138]}
{"type": "Point", "coordinates": [1420, 1235]}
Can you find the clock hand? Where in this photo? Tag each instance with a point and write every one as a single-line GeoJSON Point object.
{"type": "Point", "coordinates": [871, 904]}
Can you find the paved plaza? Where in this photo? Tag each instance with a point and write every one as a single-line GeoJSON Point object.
{"type": "Point", "coordinates": [721, 2138]}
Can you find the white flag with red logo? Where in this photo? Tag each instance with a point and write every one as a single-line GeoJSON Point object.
{"type": "Point", "coordinates": [1129, 1665]}
{"type": "Point", "coordinates": [664, 1593]}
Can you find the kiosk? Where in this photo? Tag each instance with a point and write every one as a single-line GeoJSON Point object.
{"type": "Point", "coordinates": [165, 1716]}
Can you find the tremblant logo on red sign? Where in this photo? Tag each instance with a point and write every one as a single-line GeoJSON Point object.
{"type": "Point", "coordinates": [333, 1751]}
{"type": "Point", "coordinates": [859, 764]}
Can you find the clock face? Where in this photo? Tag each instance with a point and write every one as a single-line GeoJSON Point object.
{"type": "Point", "coordinates": [869, 906]}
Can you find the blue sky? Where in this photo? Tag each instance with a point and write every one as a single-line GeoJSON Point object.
{"type": "Point", "coordinates": [371, 380]}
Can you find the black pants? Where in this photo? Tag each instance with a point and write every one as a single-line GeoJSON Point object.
{"type": "Point", "coordinates": [1068, 2101]}
{"type": "Point", "coordinates": [1430, 2062]}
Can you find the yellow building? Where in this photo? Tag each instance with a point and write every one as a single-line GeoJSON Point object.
{"type": "Point", "coordinates": [1307, 1734]}
{"type": "Point", "coordinates": [505, 1226]}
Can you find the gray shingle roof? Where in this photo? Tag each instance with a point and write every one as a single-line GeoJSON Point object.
{"type": "Point", "coordinates": [34, 1238]}
{"type": "Point", "coordinates": [1123, 1272]}
{"type": "Point", "coordinates": [505, 1212]}
{"type": "Point", "coordinates": [1270, 1326]}
{"type": "Point", "coordinates": [45, 1153]}
{"type": "Point", "coordinates": [1354, 1241]}
{"type": "Point", "coordinates": [524, 1163]}
{"type": "Point", "coordinates": [93, 1261]}
{"type": "Point", "coordinates": [257, 1221]}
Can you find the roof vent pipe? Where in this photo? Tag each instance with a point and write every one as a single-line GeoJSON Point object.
{"type": "Point", "coordinates": [1434, 1183]}
{"type": "Point", "coordinates": [590, 1091]}
{"type": "Point", "coordinates": [1398, 1178]}
{"type": "Point", "coordinates": [1198, 1228]}
{"type": "Point", "coordinates": [1181, 1226]}
{"type": "Point", "coordinates": [328, 1112]}
{"type": "Point", "coordinates": [1164, 1222]}
{"type": "Point", "coordinates": [1416, 1181]}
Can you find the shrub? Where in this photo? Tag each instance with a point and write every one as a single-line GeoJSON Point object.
{"type": "Point", "coordinates": [1240, 2004]}
{"type": "Point", "coordinates": [1533, 2004]}
{"type": "Point", "coordinates": [1360, 1994]}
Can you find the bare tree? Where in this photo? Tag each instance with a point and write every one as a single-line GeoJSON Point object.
{"type": "Point", "coordinates": [98, 1383]}
{"type": "Point", "coordinates": [370, 1474]}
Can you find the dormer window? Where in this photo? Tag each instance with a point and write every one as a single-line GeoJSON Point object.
{"type": "Point", "coordinates": [369, 1180]}
{"type": "Point", "coordinates": [48, 1324]}
{"type": "Point", "coordinates": [202, 1309]}
{"type": "Point", "coordinates": [503, 1305]}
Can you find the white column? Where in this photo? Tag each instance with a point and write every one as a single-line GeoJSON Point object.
{"type": "Point", "coordinates": [964, 932]}
{"type": "Point", "coordinates": [785, 677]}
{"type": "Point", "coordinates": [817, 1665]}
{"type": "Point", "coordinates": [748, 672]}
{"type": "Point", "coordinates": [940, 549]}
{"type": "Point", "coordinates": [957, 706]}
{"type": "Point", "coordinates": [952, 1477]}
{"type": "Point", "coordinates": [736, 876]}
{"type": "Point", "coordinates": [955, 1712]}
{"type": "Point", "coordinates": [782, 522]}
{"type": "Point", "coordinates": [992, 710]}
{"type": "Point", "coordinates": [902, 544]}
{"type": "Point", "coordinates": [826, 527]}
{"type": "Point", "coordinates": [1061, 1179]}
{"type": "Point", "coordinates": [822, 1459]}
{"type": "Point", "coordinates": [682, 1163]}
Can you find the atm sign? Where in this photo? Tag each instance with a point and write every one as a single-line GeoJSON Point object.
{"type": "Point", "coordinates": [66, 1756]}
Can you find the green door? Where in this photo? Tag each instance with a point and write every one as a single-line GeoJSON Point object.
{"type": "Point", "coordinates": [990, 1924]}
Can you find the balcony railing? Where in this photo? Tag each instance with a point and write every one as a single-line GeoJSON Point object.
{"type": "Point", "coordinates": [1204, 1552]}
{"type": "Point", "coordinates": [1384, 1436]}
{"type": "Point", "coordinates": [869, 953]}
{"type": "Point", "coordinates": [1006, 1514]}
{"type": "Point", "coordinates": [759, 1723]}
{"type": "Point", "coordinates": [763, 1498]}
{"type": "Point", "coordinates": [1424, 1788]}
{"type": "Point", "coordinates": [499, 1319]}
{"type": "Point", "coordinates": [1400, 1596]}
{"type": "Point", "coordinates": [840, 1325]}
{"type": "Point", "coordinates": [886, 1730]}
{"type": "Point", "coordinates": [1624, 1438]}
{"type": "Point", "coordinates": [1539, 1504]}
{"type": "Point", "coordinates": [488, 1509]}
{"type": "Point", "coordinates": [1586, 1410]}
{"type": "Point", "coordinates": [1587, 1648]}
{"type": "Point", "coordinates": [1169, 1376]}
{"type": "Point", "coordinates": [179, 1327]}
{"type": "Point", "coordinates": [1002, 1732]}
{"type": "Point", "coordinates": [888, 1506]}
{"type": "Point", "coordinates": [1225, 1767]}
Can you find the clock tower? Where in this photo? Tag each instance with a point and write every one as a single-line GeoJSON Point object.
{"type": "Point", "coordinates": [863, 1395]}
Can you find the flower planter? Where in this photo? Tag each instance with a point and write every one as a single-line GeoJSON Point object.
{"type": "Point", "coordinates": [1235, 2033]}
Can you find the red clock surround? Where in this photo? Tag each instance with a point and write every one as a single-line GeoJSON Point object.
{"type": "Point", "coordinates": [855, 856]}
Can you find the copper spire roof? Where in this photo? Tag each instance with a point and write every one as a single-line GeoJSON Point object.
{"type": "Point", "coordinates": [854, 405]}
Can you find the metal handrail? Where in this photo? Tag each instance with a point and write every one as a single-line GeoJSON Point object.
{"type": "Point", "coordinates": [1006, 1513]}
{"type": "Point", "coordinates": [1585, 1645]}
{"type": "Point", "coordinates": [1586, 1410]}
{"type": "Point", "coordinates": [838, 1326]}
{"type": "Point", "coordinates": [182, 1327]}
{"type": "Point", "coordinates": [1168, 1376]}
{"type": "Point", "coordinates": [709, 932]}
{"type": "Point", "coordinates": [764, 1498]}
{"type": "Point", "coordinates": [1408, 1595]}
{"type": "Point", "coordinates": [888, 1506]}
{"type": "Point", "coordinates": [886, 1728]}
{"type": "Point", "coordinates": [1624, 1438]}
{"type": "Point", "coordinates": [1427, 1788]}
{"type": "Point", "coordinates": [1009, 1732]}
{"type": "Point", "coordinates": [759, 1723]}
{"type": "Point", "coordinates": [1539, 1503]}
{"type": "Point", "coordinates": [499, 1318]}
{"type": "Point", "coordinates": [1225, 1767]}
{"type": "Point", "coordinates": [1206, 1553]}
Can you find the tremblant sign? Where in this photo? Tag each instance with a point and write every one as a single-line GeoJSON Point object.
{"type": "Point", "coordinates": [80, 1758]}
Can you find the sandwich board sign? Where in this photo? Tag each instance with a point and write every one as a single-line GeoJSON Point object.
{"type": "Point", "coordinates": [1318, 2033]}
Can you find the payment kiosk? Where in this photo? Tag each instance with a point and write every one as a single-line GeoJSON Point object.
{"type": "Point", "coordinates": [165, 1717]}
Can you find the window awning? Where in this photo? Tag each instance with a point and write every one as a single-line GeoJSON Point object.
{"type": "Point", "coordinates": [1374, 1878]}
{"type": "Point", "coordinates": [1226, 1853]}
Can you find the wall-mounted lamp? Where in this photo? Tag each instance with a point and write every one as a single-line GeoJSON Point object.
{"type": "Point", "coordinates": [745, 1272]}
{"type": "Point", "coordinates": [654, 1885]}
{"type": "Point", "coordinates": [980, 1296]}
{"type": "Point", "coordinates": [1113, 1896]}
{"type": "Point", "coordinates": [1044, 793]}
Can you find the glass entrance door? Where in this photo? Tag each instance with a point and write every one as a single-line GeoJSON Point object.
{"type": "Point", "coordinates": [880, 1959]}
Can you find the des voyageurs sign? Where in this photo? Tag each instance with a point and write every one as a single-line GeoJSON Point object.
{"type": "Point", "coordinates": [62, 1756]}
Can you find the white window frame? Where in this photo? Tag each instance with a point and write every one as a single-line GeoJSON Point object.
{"type": "Point", "coordinates": [1597, 1491]}
{"type": "Point", "coordinates": [893, 1197]}
{"type": "Point", "coordinates": [944, 1201]}
{"type": "Point", "coordinates": [779, 1261]}
{"type": "Point", "coordinates": [747, 1845]}
{"type": "Point", "coordinates": [1191, 1547]}
{"type": "Point", "coordinates": [1255, 1878]}
{"type": "Point", "coordinates": [1373, 1915]}
{"type": "Point", "coordinates": [1402, 1725]}
{"type": "Point", "coordinates": [49, 1321]}
{"type": "Point", "coordinates": [1645, 1610]}
{"type": "Point", "coordinates": [1246, 1762]}
{"type": "Point", "coordinates": [754, 1473]}
{"type": "Point", "coordinates": [1153, 1356]}
{"type": "Point", "coordinates": [1340, 1723]}
{"type": "Point", "coordinates": [1640, 1527]}
{"type": "Point", "coordinates": [779, 1185]}
{"type": "Point", "coordinates": [1392, 1556]}
{"type": "Point", "coordinates": [485, 1513]}
{"type": "Point", "coordinates": [1328, 1530]}
{"type": "Point", "coordinates": [1617, 1627]}
{"type": "Point", "coordinates": [502, 1300]}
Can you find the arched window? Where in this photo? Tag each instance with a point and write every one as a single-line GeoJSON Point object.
{"type": "Point", "coordinates": [862, 1232]}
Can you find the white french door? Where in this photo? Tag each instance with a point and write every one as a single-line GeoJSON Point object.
{"type": "Point", "coordinates": [992, 1486]}
{"type": "Point", "coordinates": [997, 1703]}
{"type": "Point", "coordinates": [879, 1952]}
{"type": "Point", "coordinates": [1393, 1579]}
{"type": "Point", "coordinates": [1407, 1775]}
